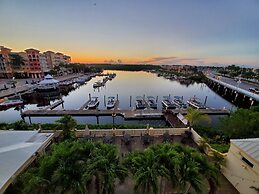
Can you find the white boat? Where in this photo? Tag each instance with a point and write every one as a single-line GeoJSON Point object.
{"type": "Point", "coordinates": [167, 103]}
{"type": "Point", "coordinates": [11, 103]}
{"type": "Point", "coordinates": [98, 84]}
{"type": "Point", "coordinates": [151, 102]}
{"type": "Point", "coordinates": [111, 76]}
{"type": "Point", "coordinates": [179, 102]}
{"type": "Point", "coordinates": [48, 84]}
{"type": "Point", "coordinates": [93, 103]}
{"type": "Point", "coordinates": [110, 102]}
{"type": "Point", "coordinates": [140, 104]}
{"type": "Point", "coordinates": [194, 102]}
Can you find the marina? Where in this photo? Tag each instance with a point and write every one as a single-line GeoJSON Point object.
{"type": "Point", "coordinates": [125, 94]}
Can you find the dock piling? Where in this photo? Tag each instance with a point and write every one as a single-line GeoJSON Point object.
{"type": "Point", "coordinates": [117, 96]}
{"type": "Point", "coordinates": [156, 99]}
{"type": "Point", "coordinates": [205, 101]}
{"type": "Point", "coordinates": [30, 120]}
{"type": "Point", "coordinates": [130, 100]}
{"type": "Point", "coordinates": [104, 100]}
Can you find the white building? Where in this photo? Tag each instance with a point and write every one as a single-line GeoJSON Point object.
{"type": "Point", "coordinates": [242, 165]}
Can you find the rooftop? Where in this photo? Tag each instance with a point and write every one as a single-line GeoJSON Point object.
{"type": "Point", "coordinates": [249, 146]}
{"type": "Point", "coordinates": [17, 149]}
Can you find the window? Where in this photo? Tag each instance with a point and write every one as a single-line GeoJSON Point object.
{"type": "Point", "coordinates": [247, 162]}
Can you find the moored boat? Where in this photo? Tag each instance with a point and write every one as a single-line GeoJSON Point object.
{"type": "Point", "coordinates": [11, 103]}
{"type": "Point", "coordinates": [167, 103]}
{"type": "Point", "coordinates": [110, 102]}
{"type": "Point", "coordinates": [194, 102]}
{"type": "Point", "coordinates": [140, 104]}
{"type": "Point", "coordinates": [179, 102]}
{"type": "Point", "coordinates": [94, 102]}
{"type": "Point", "coordinates": [151, 102]}
{"type": "Point", "coordinates": [97, 84]}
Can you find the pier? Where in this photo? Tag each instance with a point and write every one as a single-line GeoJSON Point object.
{"type": "Point", "coordinates": [54, 105]}
{"type": "Point", "coordinates": [127, 114]}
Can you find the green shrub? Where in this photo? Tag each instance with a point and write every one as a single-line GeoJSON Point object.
{"type": "Point", "coordinates": [223, 148]}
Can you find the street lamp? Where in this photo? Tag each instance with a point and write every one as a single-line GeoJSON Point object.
{"type": "Point", "coordinates": [113, 117]}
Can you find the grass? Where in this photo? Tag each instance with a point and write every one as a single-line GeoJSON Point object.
{"type": "Point", "coordinates": [223, 148]}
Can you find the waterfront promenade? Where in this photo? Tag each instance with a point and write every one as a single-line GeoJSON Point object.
{"type": "Point", "coordinates": [21, 85]}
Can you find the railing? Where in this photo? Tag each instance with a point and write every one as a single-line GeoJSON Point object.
{"type": "Point", "coordinates": [240, 90]}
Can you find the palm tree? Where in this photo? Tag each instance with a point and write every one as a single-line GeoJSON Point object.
{"type": "Point", "coordinates": [105, 167]}
{"type": "Point", "coordinates": [17, 62]}
{"type": "Point", "coordinates": [146, 170]}
{"type": "Point", "coordinates": [67, 125]}
{"type": "Point", "coordinates": [194, 115]}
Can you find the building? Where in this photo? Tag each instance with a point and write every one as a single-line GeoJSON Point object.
{"type": "Point", "coordinates": [44, 63]}
{"type": "Point", "coordinates": [61, 58]}
{"type": "Point", "coordinates": [242, 165]}
{"type": "Point", "coordinates": [67, 59]}
{"type": "Point", "coordinates": [26, 68]}
{"type": "Point", "coordinates": [18, 149]}
{"type": "Point", "coordinates": [35, 70]}
{"type": "Point", "coordinates": [50, 56]}
{"type": "Point", "coordinates": [6, 70]}
{"type": "Point", "coordinates": [35, 64]}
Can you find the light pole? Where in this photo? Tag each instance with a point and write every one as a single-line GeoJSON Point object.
{"type": "Point", "coordinates": [113, 117]}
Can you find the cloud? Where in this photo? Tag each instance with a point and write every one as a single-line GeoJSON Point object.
{"type": "Point", "coordinates": [173, 60]}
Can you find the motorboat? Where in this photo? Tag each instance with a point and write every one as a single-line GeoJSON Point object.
{"type": "Point", "coordinates": [47, 84]}
{"type": "Point", "coordinates": [110, 102]}
{"type": "Point", "coordinates": [151, 102]}
{"type": "Point", "coordinates": [93, 103]}
{"type": "Point", "coordinates": [98, 84]}
{"type": "Point", "coordinates": [140, 104]}
{"type": "Point", "coordinates": [105, 80]}
{"type": "Point", "coordinates": [111, 76]}
{"type": "Point", "coordinates": [194, 102]}
{"type": "Point", "coordinates": [167, 104]}
{"type": "Point", "coordinates": [11, 103]}
{"type": "Point", "coordinates": [179, 102]}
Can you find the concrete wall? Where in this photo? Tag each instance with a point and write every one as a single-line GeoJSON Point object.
{"type": "Point", "coordinates": [133, 132]}
{"type": "Point", "coordinates": [239, 173]}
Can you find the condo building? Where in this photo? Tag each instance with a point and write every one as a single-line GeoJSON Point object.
{"type": "Point", "coordinates": [5, 63]}
{"type": "Point", "coordinates": [33, 63]}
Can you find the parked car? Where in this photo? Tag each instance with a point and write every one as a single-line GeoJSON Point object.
{"type": "Point", "coordinates": [254, 90]}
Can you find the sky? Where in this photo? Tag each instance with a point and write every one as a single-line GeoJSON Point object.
{"type": "Point", "coordinates": [136, 31]}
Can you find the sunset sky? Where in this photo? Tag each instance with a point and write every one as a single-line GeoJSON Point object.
{"type": "Point", "coordinates": [136, 31]}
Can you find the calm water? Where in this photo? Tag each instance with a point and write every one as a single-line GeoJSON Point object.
{"type": "Point", "coordinates": [126, 84]}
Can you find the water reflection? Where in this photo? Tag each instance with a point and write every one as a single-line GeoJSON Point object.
{"type": "Point", "coordinates": [127, 85]}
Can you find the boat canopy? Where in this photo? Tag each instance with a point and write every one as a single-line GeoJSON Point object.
{"type": "Point", "coordinates": [48, 79]}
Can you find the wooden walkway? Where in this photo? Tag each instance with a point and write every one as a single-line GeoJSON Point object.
{"type": "Point", "coordinates": [127, 114]}
{"type": "Point", "coordinates": [116, 106]}
{"type": "Point", "coordinates": [84, 105]}
{"type": "Point", "coordinates": [208, 111]}
{"type": "Point", "coordinates": [54, 105]}
{"type": "Point", "coordinates": [172, 119]}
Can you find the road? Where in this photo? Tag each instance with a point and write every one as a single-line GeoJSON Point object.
{"type": "Point", "coordinates": [243, 85]}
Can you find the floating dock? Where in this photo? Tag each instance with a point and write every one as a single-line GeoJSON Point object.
{"type": "Point", "coordinates": [127, 114]}
{"type": "Point", "coordinates": [54, 105]}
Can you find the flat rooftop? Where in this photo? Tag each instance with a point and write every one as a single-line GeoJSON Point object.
{"type": "Point", "coordinates": [17, 150]}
